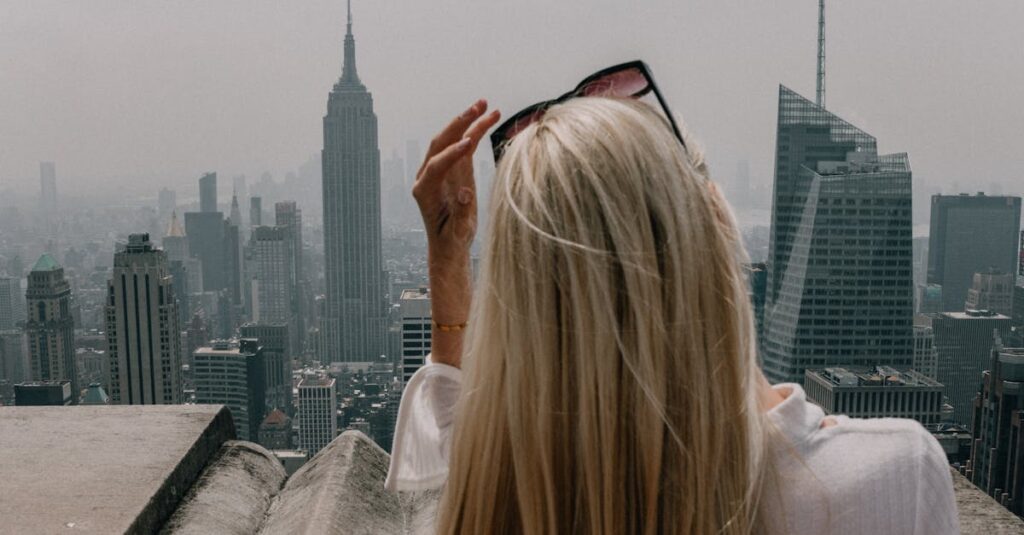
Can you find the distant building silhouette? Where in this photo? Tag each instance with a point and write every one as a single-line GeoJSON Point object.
{"type": "Point", "coordinates": [9, 289]}
{"type": "Point", "coordinates": [50, 328]}
{"type": "Point", "coordinates": [143, 332]}
{"type": "Point", "coordinates": [354, 322]}
{"type": "Point", "coordinates": [991, 290]}
{"type": "Point", "coordinates": [970, 234]}
{"type": "Point", "coordinates": [839, 289]}
{"type": "Point", "coordinates": [208, 193]}
{"type": "Point", "coordinates": [48, 189]}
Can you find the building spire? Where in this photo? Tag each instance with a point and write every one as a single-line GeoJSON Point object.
{"type": "Point", "coordinates": [820, 93]}
{"type": "Point", "coordinates": [348, 70]}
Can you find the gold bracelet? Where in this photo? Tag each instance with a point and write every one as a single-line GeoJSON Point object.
{"type": "Point", "coordinates": [450, 328]}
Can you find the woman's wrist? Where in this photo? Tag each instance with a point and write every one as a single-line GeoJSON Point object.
{"type": "Point", "coordinates": [450, 299]}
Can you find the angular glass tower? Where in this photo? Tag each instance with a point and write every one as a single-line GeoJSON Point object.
{"type": "Point", "coordinates": [354, 322]}
{"type": "Point", "coordinates": [840, 281]}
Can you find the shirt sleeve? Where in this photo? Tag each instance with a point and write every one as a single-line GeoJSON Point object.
{"type": "Point", "coordinates": [423, 430]}
{"type": "Point", "coordinates": [936, 502]}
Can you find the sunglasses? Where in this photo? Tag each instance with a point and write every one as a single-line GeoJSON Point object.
{"type": "Point", "coordinates": [626, 80]}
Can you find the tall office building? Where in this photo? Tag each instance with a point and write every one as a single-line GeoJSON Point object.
{"type": "Point", "coordinates": [839, 289]}
{"type": "Point", "coordinates": [414, 307]}
{"type": "Point", "coordinates": [208, 192]}
{"type": "Point", "coordinates": [14, 367]}
{"type": "Point", "coordinates": [273, 339]}
{"type": "Point", "coordinates": [9, 289]}
{"type": "Point", "coordinates": [273, 276]}
{"type": "Point", "coordinates": [287, 215]}
{"type": "Point", "coordinates": [991, 290]}
{"type": "Point", "coordinates": [963, 343]}
{"type": "Point", "coordinates": [998, 429]}
{"type": "Point", "coordinates": [757, 281]}
{"type": "Point", "coordinates": [318, 422]}
{"type": "Point", "coordinates": [143, 334]}
{"type": "Point", "coordinates": [167, 203]}
{"type": "Point", "coordinates": [233, 374]}
{"type": "Point", "coordinates": [186, 271]}
{"type": "Point", "coordinates": [255, 212]}
{"type": "Point", "coordinates": [970, 234]}
{"type": "Point", "coordinates": [50, 328]}
{"type": "Point", "coordinates": [926, 358]}
{"type": "Point", "coordinates": [48, 188]}
{"type": "Point", "coordinates": [354, 321]}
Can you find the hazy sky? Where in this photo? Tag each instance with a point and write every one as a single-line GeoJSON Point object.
{"type": "Point", "coordinates": [145, 93]}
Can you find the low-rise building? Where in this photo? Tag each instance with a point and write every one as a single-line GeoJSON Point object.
{"type": "Point", "coordinates": [876, 392]}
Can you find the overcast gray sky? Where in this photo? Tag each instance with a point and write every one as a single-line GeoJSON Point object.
{"type": "Point", "coordinates": [149, 93]}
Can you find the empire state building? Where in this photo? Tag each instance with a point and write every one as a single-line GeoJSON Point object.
{"type": "Point", "coordinates": [353, 327]}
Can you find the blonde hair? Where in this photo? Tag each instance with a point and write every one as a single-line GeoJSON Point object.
{"type": "Point", "coordinates": [610, 377]}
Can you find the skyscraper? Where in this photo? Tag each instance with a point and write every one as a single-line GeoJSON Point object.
{"type": "Point", "coordinates": [991, 290]}
{"type": "Point", "coordinates": [963, 343]}
{"type": "Point", "coordinates": [354, 320]}
{"type": "Point", "coordinates": [273, 267]}
{"type": "Point", "coordinates": [255, 211]}
{"type": "Point", "coordinates": [49, 327]}
{"type": "Point", "coordinates": [288, 216]}
{"type": "Point", "coordinates": [970, 235]}
{"type": "Point", "coordinates": [414, 306]}
{"type": "Point", "coordinates": [273, 339]}
{"type": "Point", "coordinates": [318, 422]}
{"type": "Point", "coordinates": [187, 271]}
{"type": "Point", "coordinates": [48, 188]}
{"type": "Point", "coordinates": [208, 192]}
{"type": "Point", "coordinates": [9, 289]}
{"type": "Point", "coordinates": [232, 374]}
{"type": "Point", "coordinates": [143, 334]}
{"type": "Point", "coordinates": [998, 427]}
{"type": "Point", "coordinates": [840, 279]}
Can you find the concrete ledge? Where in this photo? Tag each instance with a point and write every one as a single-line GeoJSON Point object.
{"type": "Point", "coordinates": [980, 514]}
{"type": "Point", "coordinates": [341, 490]}
{"type": "Point", "coordinates": [233, 494]}
{"type": "Point", "coordinates": [102, 469]}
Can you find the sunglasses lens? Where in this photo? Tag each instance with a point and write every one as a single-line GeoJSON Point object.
{"type": "Point", "coordinates": [624, 83]}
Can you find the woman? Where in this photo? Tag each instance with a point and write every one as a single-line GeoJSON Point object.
{"type": "Point", "coordinates": [603, 377]}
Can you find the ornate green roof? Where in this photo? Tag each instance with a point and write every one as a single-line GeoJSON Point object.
{"type": "Point", "coordinates": [45, 263]}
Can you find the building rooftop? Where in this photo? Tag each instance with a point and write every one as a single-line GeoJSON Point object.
{"type": "Point", "coordinates": [310, 382]}
{"type": "Point", "coordinates": [276, 417]}
{"type": "Point", "coordinates": [417, 293]}
{"type": "Point", "coordinates": [975, 314]}
{"type": "Point", "coordinates": [45, 263]}
{"type": "Point", "coordinates": [177, 469]}
{"type": "Point", "coordinates": [873, 376]}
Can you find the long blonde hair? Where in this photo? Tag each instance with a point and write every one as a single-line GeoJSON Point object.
{"type": "Point", "coordinates": [610, 377]}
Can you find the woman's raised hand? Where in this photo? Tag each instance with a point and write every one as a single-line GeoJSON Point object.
{"type": "Point", "coordinates": [445, 191]}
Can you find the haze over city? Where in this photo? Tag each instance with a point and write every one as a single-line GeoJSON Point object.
{"type": "Point", "coordinates": [132, 96]}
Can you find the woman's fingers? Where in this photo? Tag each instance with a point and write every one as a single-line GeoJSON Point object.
{"type": "Point", "coordinates": [480, 128]}
{"type": "Point", "coordinates": [437, 166]}
{"type": "Point", "coordinates": [455, 129]}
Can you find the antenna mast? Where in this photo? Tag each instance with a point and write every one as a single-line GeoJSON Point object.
{"type": "Point", "coordinates": [821, 54]}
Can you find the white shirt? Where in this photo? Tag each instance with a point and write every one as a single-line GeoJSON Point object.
{"type": "Point", "coordinates": [878, 476]}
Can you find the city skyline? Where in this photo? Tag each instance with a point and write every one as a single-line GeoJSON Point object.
{"type": "Point", "coordinates": [933, 71]}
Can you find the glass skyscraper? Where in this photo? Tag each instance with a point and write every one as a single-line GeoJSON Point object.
{"type": "Point", "coordinates": [354, 322]}
{"type": "Point", "coordinates": [840, 281]}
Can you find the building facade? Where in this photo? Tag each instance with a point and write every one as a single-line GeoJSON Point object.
{"type": "Point", "coordinates": [274, 341]}
{"type": "Point", "coordinates": [49, 327]}
{"type": "Point", "coordinates": [997, 457]}
{"type": "Point", "coordinates": [991, 290]}
{"type": "Point", "coordinates": [233, 374]}
{"type": "Point", "coordinates": [143, 333]}
{"type": "Point", "coordinates": [276, 431]}
{"type": "Point", "coordinates": [839, 289]}
{"type": "Point", "coordinates": [968, 235]}
{"type": "Point", "coordinates": [208, 193]}
{"type": "Point", "coordinates": [318, 422]}
{"type": "Point", "coordinates": [9, 290]}
{"type": "Point", "coordinates": [876, 392]}
{"type": "Point", "coordinates": [354, 323]}
{"type": "Point", "coordinates": [926, 358]}
{"type": "Point", "coordinates": [963, 342]}
{"type": "Point", "coordinates": [43, 393]}
{"type": "Point", "coordinates": [417, 326]}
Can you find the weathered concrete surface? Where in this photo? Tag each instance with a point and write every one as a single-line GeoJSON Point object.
{"type": "Point", "coordinates": [233, 495]}
{"type": "Point", "coordinates": [102, 469]}
{"type": "Point", "coordinates": [980, 514]}
{"type": "Point", "coordinates": [341, 490]}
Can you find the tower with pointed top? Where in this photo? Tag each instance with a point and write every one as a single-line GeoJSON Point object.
{"type": "Point", "coordinates": [353, 326]}
{"type": "Point", "coordinates": [49, 328]}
